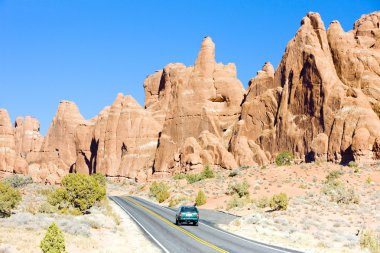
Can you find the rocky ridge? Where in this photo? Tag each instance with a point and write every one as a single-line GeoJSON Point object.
{"type": "Point", "coordinates": [322, 103]}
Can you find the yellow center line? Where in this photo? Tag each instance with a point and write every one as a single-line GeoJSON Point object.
{"type": "Point", "coordinates": [178, 228]}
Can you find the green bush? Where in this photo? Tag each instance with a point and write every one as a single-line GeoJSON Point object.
{"type": "Point", "coordinates": [279, 202]}
{"type": "Point", "coordinates": [352, 164]}
{"type": "Point", "coordinates": [17, 181]}
{"type": "Point", "coordinates": [241, 189]}
{"type": "Point", "coordinates": [236, 201]}
{"type": "Point", "coordinates": [47, 208]}
{"type": "Point", "coordinates": [78, 191]}
{"type": "Point", "coordinates": [100, 178]}
{"type": "Point", "coordinates": [160, 191]}
{"type": "Point", "coordinates": [262, 202]}
{"type": "Point", "coordinates": [54, 241]}
{"type": "Point", "coordinates": [368, 240]}
{"type": "Point", "coordinates": [192, 178]}
{"type": "Point", "coordinates": [9, 199]}
{"type": "Point", "coordinates": [284, 158]}
{"type": "Point", "coordinates": [200, 200]}
{"type": "Point", "coordinates": [179, 176]}
{"type": "Point", "coordinates": [339, 193]}
{"type": "Point", "coordinates": [333, 175]}
{"type": "Point", "coordinates": [207, 172]}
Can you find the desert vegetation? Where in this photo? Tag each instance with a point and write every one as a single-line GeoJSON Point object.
{"type": "Point", "coordinates": [240, 194]}
{"type": "Point", "coordinates": [54, 240]}
{"type": "Point", "coordinates": [337, 190]}
{"type": "Point", "coordinates": [284, 158]}
{"type": "Point", "coordinates": [279, 202]}
{"type": "Point", "coordinates": [160, 191]}
{"type": "Point", "coordinates": [200, 200]}
{"type": "Point", "coordinates": [369, 240]}
{"type": "Point", "coordinates": [9, 199]}
{"type": "Point", "coordinates": [78, 193]}
{"type": "Point", "coordinates": [192, 178]}
{"type": "Point", "coordinates": [90, 231]}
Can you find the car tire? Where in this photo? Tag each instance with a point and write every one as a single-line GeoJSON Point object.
{"type": "Point", "coordinates": [196, 224]}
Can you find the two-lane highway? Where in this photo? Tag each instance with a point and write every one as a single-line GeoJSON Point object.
{"type": "Point", "coordinates": [158, 223]}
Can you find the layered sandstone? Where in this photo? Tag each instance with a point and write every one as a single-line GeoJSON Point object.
{"type": "Point", "coordinates": [7, 144]}
{"type": "Point", "coordinates": [314, 110]}
{"type": "Point", "coordinates": [120, 142]}
{"type": "Point", "coordinates": [205, 97]}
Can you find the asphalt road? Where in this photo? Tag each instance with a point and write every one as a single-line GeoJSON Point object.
{"type": "Point", "coordinates": [158, 223]}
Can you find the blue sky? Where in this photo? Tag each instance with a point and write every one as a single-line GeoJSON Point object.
{"type": "Point", "coordinates": [87, 50]}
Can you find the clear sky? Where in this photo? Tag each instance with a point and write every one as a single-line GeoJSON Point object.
{"type": "Point", "coordinates": [87, 50]}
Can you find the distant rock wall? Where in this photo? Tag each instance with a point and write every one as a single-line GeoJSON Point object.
{"type": "Point", "coordinates": [322, 103]}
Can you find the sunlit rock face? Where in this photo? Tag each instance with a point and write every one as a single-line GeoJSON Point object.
{"type": "Point", "coordinates": [204, 97]}
{"type": "Point", "coordinates": [322, 102]}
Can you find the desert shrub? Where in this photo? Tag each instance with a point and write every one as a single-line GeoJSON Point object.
{"type": "Point", "coordinates": [192, 178]}
{"type": "Point", "coordinates": [9, 199]}
{"type": "Point", "coordinates": [200, 200]}
{"type": "Point", "coordinates": [174, 202]}
{"type": "Point", "coordinates": [262, 202]}
{"type": "Point", "coordinates": [207, 172]}
{"type": "Point", "coordinates": [45, 192]}
{"type": "Point", "coordinates": [241, 189]}
{"type": "Point", "coordinates": [369, 180]}
{"type": "Point", "coordinates": [284, 158]}
{"type": "Point", "coordinates": [369, 241]}
{"type": "Point", "coordinates": [339, 193]}
{"type": "Point", "coordinates": [101, 179]}
{"type": "Point", "coordinates": [78, 191]}
{"type": "Point", "coordinates": [160, 191]}
{"type": "Point", "coordinates": [333, 175]}
{"type": "Point", "coordinates": [279, 201]}
{"type": "Point", "coordinates": [17, 181]}
{"type": "Point", "coordinates": [45, 207]}
{"type": "Point", "coordinates": [54, 241]}
{"type": "Point", "coordinates": [236, 201]}
{"type": "Point", "coordinates": [179, 176]}
{"type": "Point", "coordinates": [352, 164]}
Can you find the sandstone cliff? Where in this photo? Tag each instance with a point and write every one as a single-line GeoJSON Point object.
{"type": "Point", "coordinates": [202, 100]}
{"type": "Point", "coordinates": [308, 106]}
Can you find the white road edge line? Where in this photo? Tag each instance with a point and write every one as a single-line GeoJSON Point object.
{"type": "Point", "coordinates": [241, 238]}
{"type": "Point", "coordinates": [154, 239]}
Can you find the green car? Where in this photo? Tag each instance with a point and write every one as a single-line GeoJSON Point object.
{"type": "Point", "coordinates": [187, 214]}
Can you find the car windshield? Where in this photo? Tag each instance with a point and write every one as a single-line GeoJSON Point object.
{"type": "Point", "coordinates": [188, 209]}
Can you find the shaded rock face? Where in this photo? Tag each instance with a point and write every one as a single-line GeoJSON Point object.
{"type": "Point", "coordinates": [205, 97]}
{"type": "Point", "coordinates": [316, 104]}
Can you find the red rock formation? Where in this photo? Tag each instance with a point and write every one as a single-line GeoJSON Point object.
{"type": "Point", "coordinates": [205, 97]}
{"type": "Point", "coordinates": [315, 112]}
{"type": "Point", "coordinates": [7, 144]}
{"type": "Point", "coordinates": [121, 141]}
